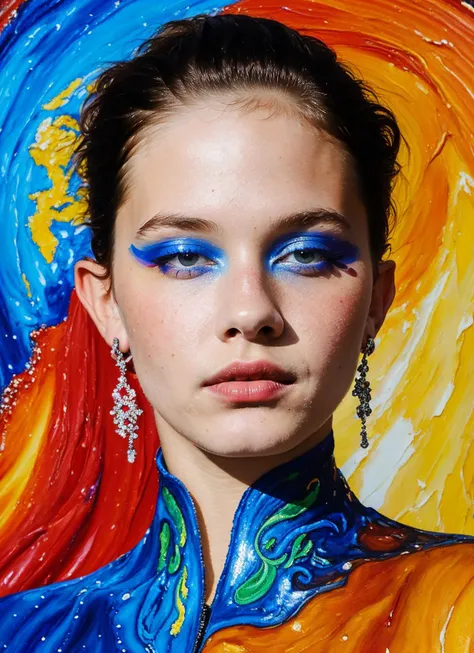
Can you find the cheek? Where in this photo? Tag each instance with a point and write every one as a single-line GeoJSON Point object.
{"type": "Point", "coordinates": [350, 310]}
{"type": "Point", "coordinates": [332, 318]}
{"type": "Point", "coordinates": [162, 324]}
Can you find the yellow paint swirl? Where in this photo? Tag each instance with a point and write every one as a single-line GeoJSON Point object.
{"type": "Point", "coordinates": [181, 593]}
{"type": "Point", "coordinates": [63, 98]}
{"type": "Point", "coordinates": [53, 149]}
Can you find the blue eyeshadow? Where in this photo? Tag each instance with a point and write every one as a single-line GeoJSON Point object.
{"type": "Point", "coordinates": [158, 254]}
{"type": "Point", "coordinates": [332, 250]}
{"type": "Point", "coordinates": [329, 250]}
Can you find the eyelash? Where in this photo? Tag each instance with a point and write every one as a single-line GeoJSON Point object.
{"type": "Point", "coordinates": [326, 262]}
{"type": "Point", "coordinates": [186, 272]}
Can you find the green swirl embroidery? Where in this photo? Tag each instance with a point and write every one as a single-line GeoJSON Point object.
{"type": "Point", "coordinates": [165, 538]}
{"type": "Point", "coordinates": [260, 583]}
{"type": "Point", "coordinates": [176, 515]}
{"type": "Point", "coordinates": [165, 534]}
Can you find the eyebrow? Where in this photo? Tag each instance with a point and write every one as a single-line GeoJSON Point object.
{"type": "Point", "coordinates": [301, 219]}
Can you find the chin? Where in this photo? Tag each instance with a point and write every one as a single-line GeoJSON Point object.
{"type": "Point", "coordinates": [249, 443]}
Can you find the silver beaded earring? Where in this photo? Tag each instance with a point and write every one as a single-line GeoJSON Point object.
{"type": "Point", "coordinates": [125, 408]}
{"type": "Point", "coordinates": [362, 390]}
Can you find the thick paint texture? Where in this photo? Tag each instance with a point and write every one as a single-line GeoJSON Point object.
{"type": "Point", "coordinates": [69, 502]}
{"type": "Point", "coordinates": [303, 551]}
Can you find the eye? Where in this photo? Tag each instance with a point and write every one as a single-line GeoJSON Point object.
{"type": "Point", "coordinates": [311, 253]}
{"type": "Point", "coordinates": [179, 257]}
{"type": "Point", "coordinates": [304, 260]}
{"type": "Point", "coordinates": [188, 258]}
{"type": "Point", "coordinates": [307, 256]}
{"type": "Point", "coordinates": [184, 264]}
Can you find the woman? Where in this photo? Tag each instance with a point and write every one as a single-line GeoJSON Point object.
{"type": "Point", "coordinates": [239, 182]}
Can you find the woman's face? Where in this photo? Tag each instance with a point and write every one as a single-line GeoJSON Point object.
{"type": "Point", "coordinates": [257, 250]}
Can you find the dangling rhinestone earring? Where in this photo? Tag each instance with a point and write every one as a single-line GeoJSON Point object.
{"type": "Point", "coordinates": [125, 408]}
{"type": "Point", "coordinates": [362, 390]}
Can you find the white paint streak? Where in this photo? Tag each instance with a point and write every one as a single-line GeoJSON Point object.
{"type": "Point", "coordinates": [456, 77]}
{"type": "Point", "coordinates": [352, 463]}
{"type": "Point", "coordinates": [417, 505]}
{"type": "Point", "coordinates": [422, 88]}
{"type": "Point", "coordinates": [466, 322]}
{"type": "Point", "coordinates": [41, 278]}
{"type": "Point", "coordinates": [444, 400]}
{"type": "Point", "coordinates": [387, 457]}
{"type": "Point", "coordinates": [405, 326]}
{"type": "Point", "coordinates": [468, 6]}
{"type": "Point", "coordinates": [442, 635]}
{"type": "Point", "coordinates": [400, 365]}
{"type": "Point", "coordinates": [433, 41]}
{"type": "Point", "coordinates": [465, 183]}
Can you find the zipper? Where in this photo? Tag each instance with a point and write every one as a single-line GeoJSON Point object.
{"type": "Point", "coordinates": [205, 614]}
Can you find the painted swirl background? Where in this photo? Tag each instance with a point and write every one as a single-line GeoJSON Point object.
{"type": "Point", "coordinates": [69, 502]}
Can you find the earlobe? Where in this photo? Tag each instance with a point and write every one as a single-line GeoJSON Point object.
{"type": "Point", "coordinates": [93, 287]}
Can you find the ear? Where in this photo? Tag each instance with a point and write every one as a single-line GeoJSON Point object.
{"type": "Point", "coordinates": [383, 293]}
{"type": "Point", "coordinates": [94, 288]}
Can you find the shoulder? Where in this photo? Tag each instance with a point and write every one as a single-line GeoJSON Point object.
{"type": "Point", "coordinates": [449, 565]}
{"type": "Point", "coordinates": [83, 613]}
{"type": "Point", "coordinates": [437, 585]}
{"type": "Point", "coordinates": [72, 614]}
{"type": "Point", "coordinates": [422, 571]}
{"type": "Point", "coordinates": [427, 556]}
{"type": "Point", "coordinates": [426, 577]}
{"type": "Point", "coordinates": [423, 597]}
{"type": "Point", "coordinates": [72, 610]}
{"type": "Point", "coordinates": [44, 618]}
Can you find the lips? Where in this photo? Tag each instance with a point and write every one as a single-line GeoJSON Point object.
{"type": "Point", "coordinates": [251, 371]}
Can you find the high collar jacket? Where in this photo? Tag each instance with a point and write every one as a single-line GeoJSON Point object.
{"type": "Point", "coordinates": [308, 568]}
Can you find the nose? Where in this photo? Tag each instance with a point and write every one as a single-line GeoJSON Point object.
{"type": "Point", "coordinates": [247, 306]}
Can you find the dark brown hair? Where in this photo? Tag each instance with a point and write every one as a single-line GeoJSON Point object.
{"type": "Point", "coordinates": [191, 58]}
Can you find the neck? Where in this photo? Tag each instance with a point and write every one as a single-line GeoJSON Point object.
{"type": "Point", "coordinates": [216, 485]}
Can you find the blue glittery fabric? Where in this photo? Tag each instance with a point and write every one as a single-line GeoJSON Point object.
{"type": "Point", "coordinates": [296, 533]}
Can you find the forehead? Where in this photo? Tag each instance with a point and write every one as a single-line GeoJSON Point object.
{"type": "Point", "coordinates": [237, 168]}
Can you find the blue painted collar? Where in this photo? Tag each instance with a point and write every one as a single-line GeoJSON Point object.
{"type": "Point", "coordinates": [298, 531]}
{"type": "Point", "coordinates": [279, 549]}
